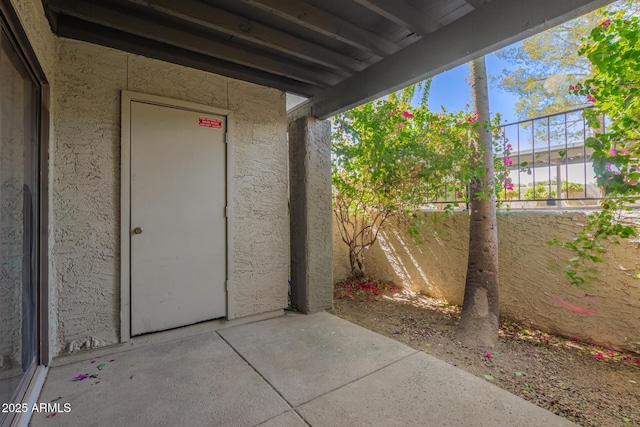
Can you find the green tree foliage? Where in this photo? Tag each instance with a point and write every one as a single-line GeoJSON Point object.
{"type": "Point", "coordinates": [547, 63]}
{"type": "Point", "coordinates": [387, 157]}
{"type": "Point", "coordinates": [391, 156]}
{"type": "Point", "coordinates": [613, 49]}
{"type": "Point", "coordinates": [545, 66]}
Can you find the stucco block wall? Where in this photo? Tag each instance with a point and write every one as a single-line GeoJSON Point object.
{"type": "Point", "coordinates": [311, 218]}
{"type": "Point", "coordinates": [533, 289]}
{"type": "Point", "coordinates": [86, 184]}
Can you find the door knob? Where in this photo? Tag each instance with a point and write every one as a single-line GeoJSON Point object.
{"type": "Point", "coordinates": [137, 230]}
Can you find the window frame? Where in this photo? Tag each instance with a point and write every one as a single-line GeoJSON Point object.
{"type": "Point", "coordinates": [11, 27]}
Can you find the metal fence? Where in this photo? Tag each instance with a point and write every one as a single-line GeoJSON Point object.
{"type": "Point", "coordinates": [548, 164]}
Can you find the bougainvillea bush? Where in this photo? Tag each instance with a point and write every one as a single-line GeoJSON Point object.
{"type": "Point", "coordinates": [613, 48]}
{"type": "Point", "coordinates": [389, 157]}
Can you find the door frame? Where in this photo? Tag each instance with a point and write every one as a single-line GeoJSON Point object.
{"type": "Point", "coordinates": [125, 197]}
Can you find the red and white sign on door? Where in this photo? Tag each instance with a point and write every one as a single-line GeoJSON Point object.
{"type": "Point", "coordinates": [209, 122]}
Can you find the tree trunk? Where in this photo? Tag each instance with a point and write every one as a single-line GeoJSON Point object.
{"type": "Point", "coordinates": [356, 262]}
{"type": "Point", "coordinates": [480, 311]}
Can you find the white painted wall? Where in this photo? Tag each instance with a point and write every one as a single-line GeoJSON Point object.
{"type": "Point", "coordinates": [85, 180]}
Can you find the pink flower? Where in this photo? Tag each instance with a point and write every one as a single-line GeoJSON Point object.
{"type": "Point", "coordinates": [591, 99]}
{"type": "Point", "coordinates": [509, 146]}
{"type": "Point", "coordinates": [624, 151]}
{"type": "Point", "coordinates": [572, 87]}
{"type": "Point", "coordinates": [488, 355]}
{"type": "Point", "coordinates": [609, 167]}
{"type": "Point", "coordinates": [574, 339]}
{"type": "Point", "coordinates": [399, 125]}
{"type": "Point", "coordinates": [407, 114]}
{"type": "Point", "coordinates": [506, 160]}
{"type": "Point", "coordinates": [599, 356]}
{"type": "Point", "coordinates": [613, 152]}
{"type": "Point", "coordinates": [637, 361]}
{"type": "Point", "coordinates": [509, 187]}
{"type": "Point", "coordinates": [606, 22]}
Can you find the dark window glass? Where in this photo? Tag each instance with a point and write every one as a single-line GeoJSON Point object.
{"type": "Point", "coordinates": [18, 173]}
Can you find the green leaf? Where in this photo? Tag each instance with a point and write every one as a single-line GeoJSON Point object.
{"type": "Point", "coordinates": [488, 377]}
{"type": "Point", "coordinates": [518, 374]}
{"type": "Point", "coordinates": [100, 366]}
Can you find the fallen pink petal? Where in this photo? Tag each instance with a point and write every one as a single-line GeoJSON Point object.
{"type": "Point", "coordinates": [81, 377]}
{"type": "Point", "coordinates": [51, 415]}
{"type": "Point", "coordinates": [112, 360]}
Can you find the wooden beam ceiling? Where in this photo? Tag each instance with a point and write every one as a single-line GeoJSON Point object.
{"type": "Point", "coordinates": [215, 18]}
{"type": "Point", "coordinates": [340, 53]}
{"type": "Point", "coordinates": [78, 29]}
{"type": "Point", "coordinates": [316, 19]}
{"type": "Point", "coordinates": [154, 30]}
{"type": "Point", "coordinates": [403, 14]}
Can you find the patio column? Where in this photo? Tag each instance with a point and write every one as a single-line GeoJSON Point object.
{"type": "Point", "coordinates": [310, 214]}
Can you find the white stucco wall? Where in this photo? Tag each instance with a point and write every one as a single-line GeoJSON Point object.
{"type": "Point", "coordinates": [533, 288]}
{"type": "Point", "coordinates": [86, 186]}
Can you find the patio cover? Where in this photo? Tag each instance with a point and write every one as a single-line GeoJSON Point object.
{"type": "Point", "coordinates": [339, 53]}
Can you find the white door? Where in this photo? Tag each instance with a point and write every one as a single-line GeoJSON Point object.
{"type": "Point", "coordinates": [178, 224]}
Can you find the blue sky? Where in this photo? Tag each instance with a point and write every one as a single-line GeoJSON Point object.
{"type": "Point", "coordinates": [451, 90]}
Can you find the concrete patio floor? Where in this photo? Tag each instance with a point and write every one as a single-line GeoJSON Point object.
{"type": "Point", "coordinates": [293, 370]}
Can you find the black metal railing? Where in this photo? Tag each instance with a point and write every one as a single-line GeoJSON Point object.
{"type": "Point", "coordinates": [548, 164]}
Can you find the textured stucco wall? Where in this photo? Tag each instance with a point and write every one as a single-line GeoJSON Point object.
{"type": "Point", "coordinates": [44, 43]}
{"type": "Point", "coordinates": [86, 186]}
{"type": "Point", "coordinates": [310, 180]}
{"type": "Point", "coordinates": [533, 289]}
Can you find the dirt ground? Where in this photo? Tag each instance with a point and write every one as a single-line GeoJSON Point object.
{"type": "Point", "coordinates": [590, 385]}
